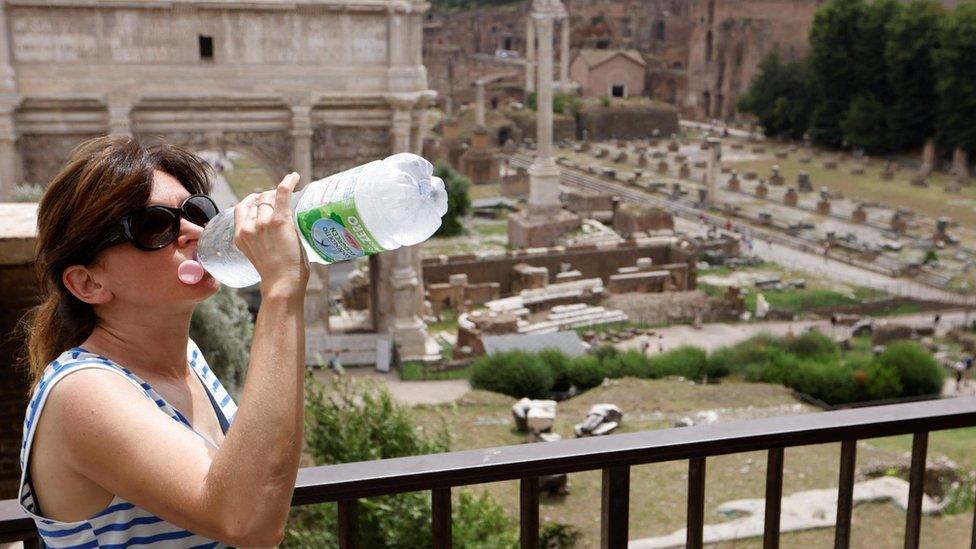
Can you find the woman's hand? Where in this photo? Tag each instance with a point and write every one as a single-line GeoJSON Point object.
{"type": "Point", "coordinates": [264, 231]}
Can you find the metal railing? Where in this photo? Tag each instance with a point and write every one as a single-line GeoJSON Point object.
{"type": "Point", "coordinates": [615, 455]}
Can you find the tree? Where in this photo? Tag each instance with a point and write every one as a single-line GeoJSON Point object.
{"type": "Point", "coordinates": [913, 36]}
{"type": "Point", "coordinates": [458, 201]}
{"type": "Point", "coordinates": [223, 329]}
{"type": "Point", "coordinates": [779, 97]}
{"type": "Point", "coordinates": [863, 124]}
{"type": "Point", "coordinates": [955, 65]}
{"type": "Point", "coordinates": [358, 421]}
{"type": "Point", "coordinates": [833, 62]}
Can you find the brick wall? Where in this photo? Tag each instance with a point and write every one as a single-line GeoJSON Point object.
{"type": "Point", "coordinates": [589, 260]}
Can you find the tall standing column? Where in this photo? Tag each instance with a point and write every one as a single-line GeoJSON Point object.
{"type": "Point", "coordinates": [409, 330]}
{"type": "Point", "coordinates": [301, 133]}
{"type": "Point", "coordinates": [529, 53]}
{"type": "Point", "coordinates": [714, 169]}
{"type": "Point", "coordinates": [9, 158]}
{"type": "Point", "coordinates": [479, 106]}
{"type": "Point", "coordinates": [564, 55]}
{"type": "Point", "coordinates": [543, 174]}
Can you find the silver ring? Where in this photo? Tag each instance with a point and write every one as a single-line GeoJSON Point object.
{"type": "Point", "coordinates": [266, 204]}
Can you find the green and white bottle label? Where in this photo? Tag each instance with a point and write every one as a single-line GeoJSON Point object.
{"type": "Point", "coordinates": [334, 228]}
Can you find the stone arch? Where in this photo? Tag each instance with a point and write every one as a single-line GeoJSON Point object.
{"type": "Point", "coordinates": [270, 150]}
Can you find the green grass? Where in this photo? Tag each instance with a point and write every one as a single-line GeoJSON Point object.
{"type": "Point", "coordinates": [448, 323]}
{"type": "Point", "coordinates": [489, 190]}
{"type": "Point", "coordinates": [931, 201]}
{"type": "Point", "coordinates": [415, 371]}
{"type": "Point", "coordinates": [247, 177]}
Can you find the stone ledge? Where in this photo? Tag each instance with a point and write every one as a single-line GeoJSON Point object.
{"type": "Point", "coordinates": [18, 232]}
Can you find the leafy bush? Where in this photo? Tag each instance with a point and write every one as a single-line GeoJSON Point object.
{"type": "Point", "coordinates": [223, 329]}
{"type": "Point", "coordinates": [586, 372]}
{"type": "Point", "coordinates": [873, 380]}
{"type": "Point", "coordinates": [918, 371]}
{"type": "Point", "coordinates": [605, 101]}
{"type": "Point", "coordinates": [827, 381]}
{"type": "Point", "coordinates": [555, 535]}
{"type": "Point", "coordinates": [360, 422]}
{"type": "Point", "coordinates": [813, 345]}
{"type": "Point", "coordinates": [687, 362]}
{"type": "Point", "coordinates": [558, 364]}
{"type": "Point", "coordinates": [458, 200]}
{"type": "Point", "coordinates": [514, 373]}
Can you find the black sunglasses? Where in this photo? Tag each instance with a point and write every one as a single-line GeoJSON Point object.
{"type": "Point", "coordinates": [154, 227]}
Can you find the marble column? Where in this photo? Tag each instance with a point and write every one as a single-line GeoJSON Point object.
{"type": "Point", "coordinates": [479, 106]}
{"type": "Point", "coordinates": [714, 169]}
{"type": "Point", "coordinates": [119, 120]}
{"type": "Point", "coordinates": [7, 75]}
{"type": "Point", "coordinates": [564, 84]}
{"type": "Point", "coordinates": [9, 157]}
{"type": "Point", "coordinates": [301, 133]}
{"type": "Point", "coordinates": [529, 54]}
{"type": "Point", "coordinates": [544, 174]}
{"type": "Point", "coordinates": [409, 330]}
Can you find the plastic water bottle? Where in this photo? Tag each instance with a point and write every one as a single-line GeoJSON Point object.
{"type": "Point", "coordinates": [365, 210]}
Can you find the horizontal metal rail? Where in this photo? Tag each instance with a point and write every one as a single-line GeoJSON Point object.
{"type": "Point", "coordinates": [614, 455]}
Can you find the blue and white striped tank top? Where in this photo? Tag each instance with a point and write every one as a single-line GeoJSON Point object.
{"type": "Point", "coordinates": [121, 524]}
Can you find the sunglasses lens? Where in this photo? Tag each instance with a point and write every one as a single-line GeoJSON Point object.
{"type": "Point", "coordinates": [154, 227]}
{"type": "Point", "coordinates": [199, 210]}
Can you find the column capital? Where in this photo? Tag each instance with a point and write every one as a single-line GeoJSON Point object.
{"type": "Point", "coordinates": [404, 101]}
{"type": "Point", "coordinates": [301, 121]}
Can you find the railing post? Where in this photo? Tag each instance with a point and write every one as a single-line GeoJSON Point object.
{"type": "Point", "coordinates": [845, 494]}
{"type": "Point", "coordinates": [774, 495]}
{"type": "Point", "coordinates": [441, 519]}
{"type": "Point", "coordinates": [916, 482]}
{"type": "Point", "coordinates": [349, 524]}
{"type": "Point", "coordinates": [615, 508]}
{"type": "Point", "coordinates": [529, 511]}
{"type": "Point", "coordinates": [696, 503]}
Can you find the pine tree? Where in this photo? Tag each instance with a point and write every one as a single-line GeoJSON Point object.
{"type": "Point", "coordinates": [833, 63]}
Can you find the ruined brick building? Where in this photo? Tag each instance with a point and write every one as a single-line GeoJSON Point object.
{"type": "Point", "coordinates": [700, 54]}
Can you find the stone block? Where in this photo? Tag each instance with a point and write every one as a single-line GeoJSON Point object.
{"type": "Point", "coordinates": [762, 190]}
{"type": "Point", "coordinates": [790, 198]}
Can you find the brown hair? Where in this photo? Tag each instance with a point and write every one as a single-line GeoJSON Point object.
{"type": "Point", "coordinates": [105, 178]}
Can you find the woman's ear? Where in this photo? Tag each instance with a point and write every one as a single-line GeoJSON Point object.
{"type": "Point", "coordinates": [83, 283]}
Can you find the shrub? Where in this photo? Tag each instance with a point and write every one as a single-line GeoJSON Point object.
{"type": "Point", "coordinates": [514, 373]}
{"type": "Point", "coordinates": [814, 345]}
{"type": "Point", "coordinates": [458, 200]}
{"type": "Point", "coordinates": [917, 369]}
{"type": "Point", "coordinates": [556, 535]}
{"type": "Point", "coordinates": [223, 329]}
{"type": "Point", "coordinates": [558, 364]}
{"type": "Point", "coordinates": [687, 362]}
{"type": "Point", "coordinates": [586, 372]}
{"type": "Point", "coordinates": [827, 381]}
{"type": "Point", "coordinates": [360, 422]}
{"type": "Point", "coordinates": [873, 380]}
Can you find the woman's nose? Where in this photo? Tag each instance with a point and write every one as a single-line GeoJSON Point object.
{"type": "Point", "coordinates": [189, 232]}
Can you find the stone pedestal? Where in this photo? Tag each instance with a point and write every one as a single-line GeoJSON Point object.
{"type": "Point", "coordinates": [860, 215]}
{"type": "Point", "coordinates": [685, 171]}
{"type": "Point", "coordinates": [823, 206]}
{"type": "Point", "coordinates": [478, 162]}
{"type": "Point", "coordinates": [762, 190]}
{"type": "Point", "coordinates": [526, 230]}
{"type": "Point", "coordinates": [734, 184]}
{"type": "Point", "coordinates": [790, 197]}
{"type": "Point", "coordinates": [803, 183]}
{"type": "Point", "coordinates": [662, 167]}
{"type": "Point", "coordinates": [898, 223]}
{"type": "Point", "coordinates": [775, 178]}
{"type": "Point", "coordinates": [452, 147]}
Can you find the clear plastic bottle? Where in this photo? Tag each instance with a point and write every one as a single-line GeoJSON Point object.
{"type": "Point", "coordinates": [365, 210]}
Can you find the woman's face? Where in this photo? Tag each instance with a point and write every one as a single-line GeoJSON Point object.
{"type": "Point", "coordinates": [140, 278]}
